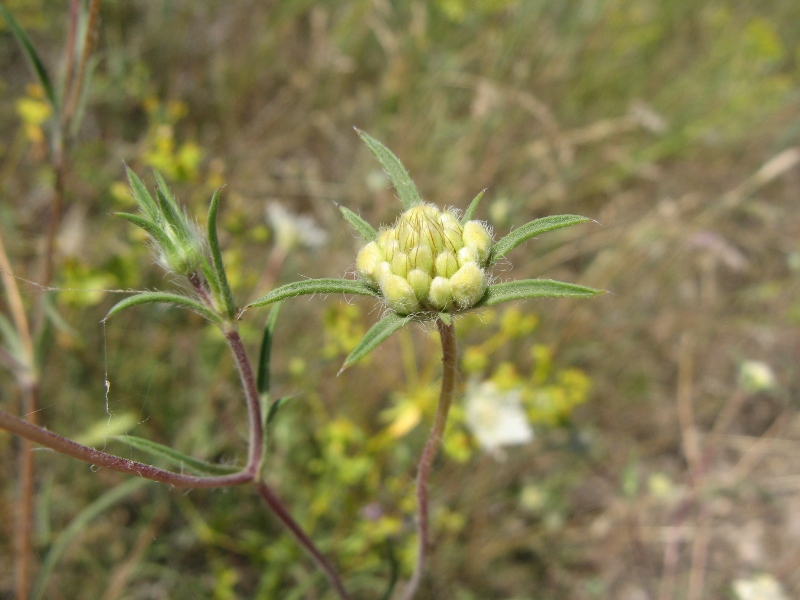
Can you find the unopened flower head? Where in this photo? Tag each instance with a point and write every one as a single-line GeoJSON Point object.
{"type": "Point", "coordinates": [428, 261]}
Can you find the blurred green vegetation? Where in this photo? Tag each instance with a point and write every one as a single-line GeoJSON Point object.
{"type": "Point", "coordinates": [651, 117]}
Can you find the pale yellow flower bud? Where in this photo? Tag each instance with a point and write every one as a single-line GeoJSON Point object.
{"type": "Point", "coordinates": [468, 285]}
{"type": "Point", "coordinates": [440, 296]}
{"type": "Point", "coordinates": [477, 237]}
{"type": "Point", "coordinates": [399, 294]}
{"type": "Point", "coordinates": [367, 261]}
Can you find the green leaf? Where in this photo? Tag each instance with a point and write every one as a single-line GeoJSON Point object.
{"type": "Point", "coordinates": [171, 212]}
{"type": "Point", "coordinates": [405, 187]}
{"type": "Point", "coordinates": [377, 334]}
{"type": "Point", "coordinates": [263, 377]}
{"type": "Point", "coordinates": [534, 288]}
{"type": "Point", "coordinates": [314, 286]}
{"type": "Point", "coordinates": [163, 298]}
{"type": "Point", "coordinates": [273, 409]}
{"type": "Point", "coordinates": [30, 51]}
{"type": "Point", "coordinates": [77, 526]}
{"type": "Point", "coordinates": [468, 214]}
{"type": "Point", "coordinates": [153, 230]}
{"type": "Point", "coordinates": [173, 457]}
{"type": "Point", "coordinates": [143, 198]}
{"type": "Point", "coordinates": [534, 228]}
{"type": "Point", "coordinates": [366, 230]}
{"type": "Point", "coordinates": [216, 256]}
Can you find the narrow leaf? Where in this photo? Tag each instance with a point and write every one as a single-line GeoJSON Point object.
{"type": "Point", "coordinates": [366, 230]}
{"type": "Point", "coordinates": [534, 228]}
{"type": "Point", "coordinates": [30, 51]}
{"type": "Point", "coordinates": [173, 457]}
{"type": "Point", "coordinates": [143, 198]}
{"type": "Point", "coordinates": [377, 334]}
{"type": "Point", "coordinates": [163, 298]}
{"type": "Point", "coordinates": [470, 212]}
{"type": "Point", "coordinates": [263, 377]}
{"type": "Point", "coordinates": [534, 288]}
{"type": "Point", "coordinates": [405, 187]}
{"type": "Point", "coordinates": [273, 409]}
{"type": "Point", "coordinates": [77, 526]}
{"type": "Point", "coordinates": [153, 230]}
{"type": "Point", "coordinates": [216, 256]}
{"type": "Point", "coordinates": [314, 286]}
{"type": "Point", "coordinates": [172, 214]}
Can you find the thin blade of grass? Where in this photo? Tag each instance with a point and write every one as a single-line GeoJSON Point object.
{"type": "Point", "coordinates": [30, 51]}
{"type": "Point", "coordinates": [77, 526]}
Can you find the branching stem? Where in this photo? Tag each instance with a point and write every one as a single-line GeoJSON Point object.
{"type": "Point", "coordinates": [450, 360]}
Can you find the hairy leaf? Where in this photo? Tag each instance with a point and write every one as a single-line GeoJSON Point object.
{"type": "Point", "coordinates": [534, 228]}
{"type": "Point", "coordinates": [377, 334]}
{"type": "Point", "coordinates": [534, 288]}
{"type": "Point", "coordinates": [173, 457]}
{"type": "Point", "coordinates": [314, 286]}
{"type": "Point", "coordinates": [216, 256]}
{"type": "Point", "coordinates": [470, 212]}
{"type": "Point", "coordinates": [366, 230]}
{"type": "Point", "coordinates": [163, 298]}
{"type": "Point", "coordinates": [153, 230]}
{"type": "Point", "coordinates": [263, 377]}
{"type": "Point", "coordinates": [143, 198]}
{"type": "Point", "coordinates": [405, 187]}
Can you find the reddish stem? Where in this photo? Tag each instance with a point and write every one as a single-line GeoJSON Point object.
{"type": "Point", "coordinates": [450, 359]}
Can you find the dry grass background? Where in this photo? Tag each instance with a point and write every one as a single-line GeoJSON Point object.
{"type": "Point", "coordinates": [673, 124]}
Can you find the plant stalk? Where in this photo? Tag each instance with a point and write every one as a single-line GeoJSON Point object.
{"type": "Point", "coordinates": [256, 434]}
{"type": "Point", "coordinates": [447, 333]}
{"type": "Point", "coordinates": [302, 538]}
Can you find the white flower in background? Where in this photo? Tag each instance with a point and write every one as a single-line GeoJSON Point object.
{"type": "Point", "coordinates": [760, 587]}
{"type": "Point", "coordinates": [496, 418]}
{"type": "Point", "coordinates": [293, 230]}
{"type": "Point", "coordinates": [756, 376]}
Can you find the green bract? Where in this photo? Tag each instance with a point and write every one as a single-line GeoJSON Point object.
{"type": "Point", "coordinates": [430, 263]}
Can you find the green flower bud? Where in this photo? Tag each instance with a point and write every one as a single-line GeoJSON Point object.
{"type": "Point", "coordinates": [399, 294]}
{"type": "Point", "coordinates": [446, 264]}
{"type": "Point", "coordinates": [367, 261]}
{"type": "Point", "coordinates": [440, 296]}
{"type": "Point", "coordinates": [477, 237]}
{"type": "Point", "coordinates": [421, 283]}
{"type": "Point", "coordinates": [427, 261]}
{"type": "Point", "coordinates": [468, 285]}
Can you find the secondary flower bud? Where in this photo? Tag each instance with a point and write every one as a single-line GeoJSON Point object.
{"type": "Point", "coordinates": [427, 261]}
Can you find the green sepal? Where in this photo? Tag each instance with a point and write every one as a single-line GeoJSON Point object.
{"type": "Point", "coordinates": [273, 409]}
{"type": "Point", "coordinates": [534, 228]}
{"type": "Point", "coordinates": [164, 298]}
{"type": "Point", "coordinates": [470, 212]}
{"type": "Point", "coordinates": [364, 229]}
{"type": "Point", "coordinates": [173, 457]}
{"type": "Point", "coordinates": [216, 256]}
{"type": "Point", "coordinates": [405, 187]}
{"type": "Point", "coordinates": [263, 376]}
{"type": "Point", "coordinates": [170, 211]}
{"type": "Point", "coordinates": [36, 62]}
{"type": "Point", "coordinates": [154, 231]}
{"type": "Point", "coordinates": [534, 288]}
{"type": "Point", "coordinates": [314, 286]}
{"type": "Point", "coordinates": [143, 198]}
{"type": "Point", "coordinates": [376, 335]}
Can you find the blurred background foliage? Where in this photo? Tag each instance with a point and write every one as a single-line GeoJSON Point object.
{"type": "Point", "coordinates": [674, 124]}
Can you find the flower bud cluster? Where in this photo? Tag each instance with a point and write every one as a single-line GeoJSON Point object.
{"type": "Point", "coordinates": [428, 261]}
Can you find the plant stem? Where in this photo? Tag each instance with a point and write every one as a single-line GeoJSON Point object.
{"type": "Point", "coordinates": [450, 360]}
{"type": "Point", "coordinates": [51, 440]}
{"type": "Point", "coordinates": [256, 434]}
{"type": "Point", "coordinates": [25, 499]}
{"type": "Point", "coordinates": [302, 538]}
